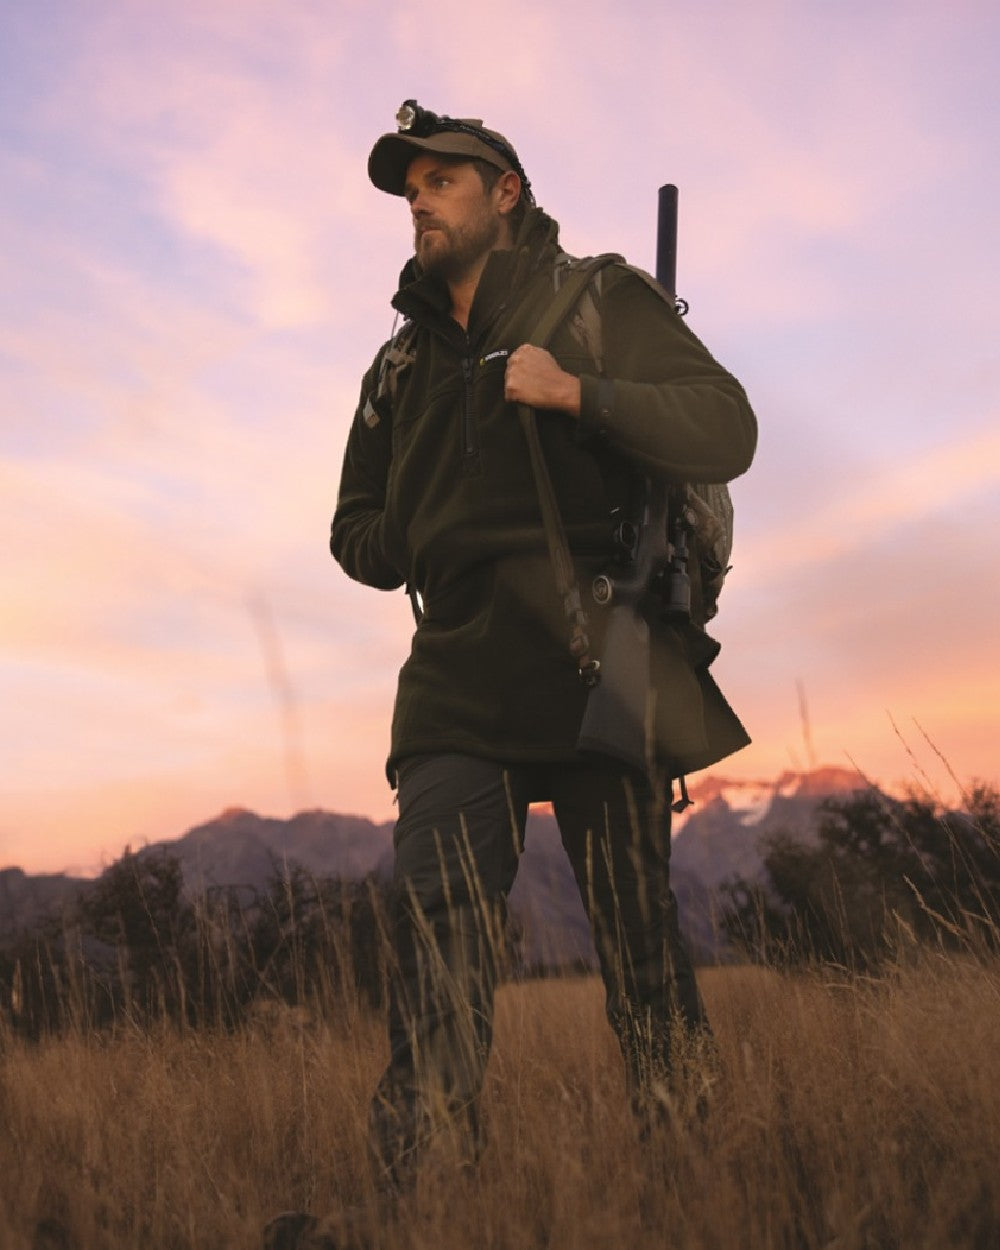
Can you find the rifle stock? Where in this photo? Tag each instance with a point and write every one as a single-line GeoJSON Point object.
{"type": "Point", "coordinates": [615, 718]}
{"type": "Point", "coordinates": [614, 721]}
{"type": "Point", "coordinates": [619, 708]}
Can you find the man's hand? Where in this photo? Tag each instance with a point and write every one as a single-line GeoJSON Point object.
{"type": "Point", "coordinates": [534, 378]}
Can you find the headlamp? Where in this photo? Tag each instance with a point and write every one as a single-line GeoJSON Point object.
{"type": "Point", "coordinates": [421, 123]}
{"type": "Point", "coordinates": [408, 114]}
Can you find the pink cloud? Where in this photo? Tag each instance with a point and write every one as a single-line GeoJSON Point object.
{"type": "Point", "coordinates": [178, 397]}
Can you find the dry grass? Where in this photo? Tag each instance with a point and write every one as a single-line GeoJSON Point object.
{"type": "Point", "coordinates": [847, 1113]}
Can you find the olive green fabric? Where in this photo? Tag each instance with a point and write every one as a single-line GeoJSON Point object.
{"type": "Point", "coordinates": [438, 493]}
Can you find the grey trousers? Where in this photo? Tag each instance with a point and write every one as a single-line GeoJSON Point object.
{"type": "Point", "coordinates": [457, 842]}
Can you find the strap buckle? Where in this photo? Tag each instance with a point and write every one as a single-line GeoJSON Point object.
{"type": "Point", "coordinates": [590, 673]}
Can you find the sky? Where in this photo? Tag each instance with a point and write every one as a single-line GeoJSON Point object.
{"type": "Point", "coordinates": [195, 272]}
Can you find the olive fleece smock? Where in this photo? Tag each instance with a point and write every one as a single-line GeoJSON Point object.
{"type": "Point", "coordinates": [437, 492]}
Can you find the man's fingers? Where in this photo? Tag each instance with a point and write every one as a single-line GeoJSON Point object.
{"type": "Point", "coordinates": [527, 368]}
{"type": "Point", "coordinates": [512, 374]}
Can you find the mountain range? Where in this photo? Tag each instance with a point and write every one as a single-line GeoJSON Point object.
{"type": "Point", "coordinates": [717, 838]}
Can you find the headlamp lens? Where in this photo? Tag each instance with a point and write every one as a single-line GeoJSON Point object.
{"type": "Point", "coordinates": [406, 115]}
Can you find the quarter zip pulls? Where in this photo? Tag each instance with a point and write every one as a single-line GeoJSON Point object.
{"type": "Point", "coordinates": [470, 435]}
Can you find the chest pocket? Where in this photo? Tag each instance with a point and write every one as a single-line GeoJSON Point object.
{"type": "Point", "coordinates": [416, 408]}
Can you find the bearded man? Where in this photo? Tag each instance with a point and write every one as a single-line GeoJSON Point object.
{"type": "Point", "coordinates": [437, 493]}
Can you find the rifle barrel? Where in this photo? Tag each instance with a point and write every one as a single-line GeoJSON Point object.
{"type": "Point", "coordinates": [666, 239]}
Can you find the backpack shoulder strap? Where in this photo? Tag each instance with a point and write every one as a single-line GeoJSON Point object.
{"type": "Point", "coordinates": [572, 279]}
{"type": "Point", "coordinates": [586, 326]}
{"type": "Point", "coordinates": [397, 356]}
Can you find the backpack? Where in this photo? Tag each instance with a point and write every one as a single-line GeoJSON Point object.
{"type": "Point", "coordinates": [705, 508]}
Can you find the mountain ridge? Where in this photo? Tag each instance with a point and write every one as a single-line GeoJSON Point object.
{"type": "Point", "coordinates": [717, 838]}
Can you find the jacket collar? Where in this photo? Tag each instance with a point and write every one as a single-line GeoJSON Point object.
{"type": "Point", "coordinates": [422, 298]}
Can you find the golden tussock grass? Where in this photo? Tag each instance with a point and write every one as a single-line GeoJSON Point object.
{"type": "Point", "coordinates": [844, 1113]}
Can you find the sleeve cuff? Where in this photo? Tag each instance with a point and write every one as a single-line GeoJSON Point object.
{"type": "Point", "coordinates": [597, 401]}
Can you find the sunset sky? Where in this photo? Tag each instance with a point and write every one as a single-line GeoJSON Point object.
{"type": "Point", "coordinates": [196, 272]}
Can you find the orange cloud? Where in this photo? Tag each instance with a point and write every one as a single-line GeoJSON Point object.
{"type": "Point", "coordinates": [876, 502]}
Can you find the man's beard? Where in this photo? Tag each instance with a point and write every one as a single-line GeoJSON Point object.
{"type": "Point", "coordinates": [457, 249]}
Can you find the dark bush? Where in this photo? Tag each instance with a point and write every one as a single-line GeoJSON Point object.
{"type": "Point", "coordinates": [879, 870]}
{"type": "Point", "coordinates": [138, 948]}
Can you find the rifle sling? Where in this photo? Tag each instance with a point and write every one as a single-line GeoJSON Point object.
{"type": "Point", "coordinates": [567, 586]}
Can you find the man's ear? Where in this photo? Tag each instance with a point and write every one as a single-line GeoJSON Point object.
{"type": "Point", "coordinates": [507, 191]}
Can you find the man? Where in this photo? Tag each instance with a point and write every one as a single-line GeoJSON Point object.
{"type": "Point", "coordinates": [437, 493]}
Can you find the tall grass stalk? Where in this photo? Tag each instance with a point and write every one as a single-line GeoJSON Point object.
{"type": "Point", "coordinates": [845, 1112]}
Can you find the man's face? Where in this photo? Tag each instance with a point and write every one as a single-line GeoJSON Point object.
{"type": "Point", "coordinates": [455, 220]}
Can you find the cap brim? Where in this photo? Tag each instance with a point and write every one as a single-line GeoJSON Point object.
{"type": "Point", "coordinates": [392, 154]}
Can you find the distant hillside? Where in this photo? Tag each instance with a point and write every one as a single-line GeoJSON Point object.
{"type": "Point", "coordinates": [718, 838]}
{"type": "Point", "coordinates": [26, 899]}
{"type": "Point", "coordinates": [241, 848]}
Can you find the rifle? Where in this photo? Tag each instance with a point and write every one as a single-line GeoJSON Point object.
{"type": "Point", "coordinates": [618, 719]}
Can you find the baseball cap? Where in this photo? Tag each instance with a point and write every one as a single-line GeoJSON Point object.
{"type": "Point", "coordinates": [420, 130]}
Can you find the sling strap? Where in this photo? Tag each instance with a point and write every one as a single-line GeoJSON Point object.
{"type": "Point", "coordinates": [569, 293]}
